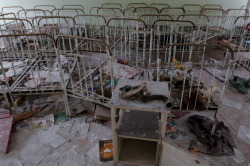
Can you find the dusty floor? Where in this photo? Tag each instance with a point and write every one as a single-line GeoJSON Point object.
{"type": "Point", "coordinates": [42, 142]}
{"type": "Point", "coordinates": [38, 141]}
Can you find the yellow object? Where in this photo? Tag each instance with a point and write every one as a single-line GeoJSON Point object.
{"type": "Point", "coordinates": [188, 67]}
{"type": "Point", "coordinates": [180, 67]}
{"type": "Point", "coordinates": [18, 101]}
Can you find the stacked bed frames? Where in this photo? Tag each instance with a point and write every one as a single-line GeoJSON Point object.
{"type": "Point", "coordinates": [49, 50]}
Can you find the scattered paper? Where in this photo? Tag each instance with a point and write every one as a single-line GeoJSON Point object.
{"type": "Point", "coordinates": [239, 157]}
{"type": "Point", "coordinates": [248, 136]}
{"type": "Point", "coordinates": [54, 139]}
{"type": "Point", "coordinates": [63, 60]}
{"type": "Point", "coordinates": [83, 132]}
{"type": "Point", "coordinates": [34, 83]}
{"type": "Point", "coordinates": [120, 70]}
{"type": "Point", "coordinates": [9, 159]}
{"type": "Point", "coordinates": [94, 155]}
{"type": "Point", "coordinates": [75, 129]}
{"type": "Point", "coordinates": [12, 72]}
{"type": "Point", "coordinates": [71, 158]}
{"type": "Point", "coordinates": [39, 74]}
{"type": "Point", "coordinates": [7, 65]}
{"type": "Point", "coordinates": [54, 77]}
{"type": "Point", "coordinates": [242, 134]}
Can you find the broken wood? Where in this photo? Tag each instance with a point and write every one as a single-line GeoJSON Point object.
{"type": "Point", "coordinates": [102, 113]}
{"type": "Point", "coordinates": [28, 114]}
{"type": "Point", "coordinates": [24, 116]}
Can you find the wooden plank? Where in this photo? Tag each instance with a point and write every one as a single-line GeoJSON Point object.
{"type": "Point", "coordinates": [102, 113]}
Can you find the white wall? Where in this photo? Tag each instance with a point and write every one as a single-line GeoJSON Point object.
{"type": "Point", "coordinates": [28, 4]}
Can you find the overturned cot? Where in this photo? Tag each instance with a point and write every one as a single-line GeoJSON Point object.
{"type": "Point", "coordinates": [87, 80]}
{"type": "Point", "coordinates": [31, 65]}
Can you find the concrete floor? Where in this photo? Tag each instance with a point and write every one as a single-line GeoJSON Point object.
{"type": "Point", "coordinates": [38, 141]}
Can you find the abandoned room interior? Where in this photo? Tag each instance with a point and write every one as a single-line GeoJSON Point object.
{"type": "Point", "coordinates": [125, 83]}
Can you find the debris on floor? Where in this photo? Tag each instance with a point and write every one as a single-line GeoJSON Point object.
{"type": "Point", "coordinates": [106, 150]}
{"type": "Point", "coordinates": [42, 131]}
{"type": "Point", "coordinates": [183, 87]}
{"type": "Point", "coordinates": [240, 84]}
{"type": "Point", "coordinates": [120, 70]}
{"type": "Point", "coordinates": [175, 155]}
{"type": "Point", "coordinates": [102, 113]}
{"type": "Point", "coordinates": [239, 157]}
{"type": "Point", "coordinates": [171, 130]}
{"type": "Point", "coordinates": [94, 157]}
{"type": "Point", "coordinates": [219, 143]}
{"type": "Point", "coordinates": [27, 114]}
{"type": "Point", "coordinates": [61, 117]}
{"type": "Point", "coordinates": [244, 134]}
{"type": "Point", "coordinates": [10, 158]}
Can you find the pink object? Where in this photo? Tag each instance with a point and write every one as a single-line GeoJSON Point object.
{"type": "Point", "coordinates": [6, 121]}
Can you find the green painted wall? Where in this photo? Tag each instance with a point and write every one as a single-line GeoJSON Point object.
{"type": "Point", "coordinates": [28, 4]}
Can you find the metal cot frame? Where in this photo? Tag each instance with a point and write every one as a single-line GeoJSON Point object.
{"type": "Point", "coordinates": [192, 8]}
{"type": "Point", "coordinates": [111, 5]}
{"type": "Point", "coordinates": [29, 14]}
{"type": "Point", "coordinates": [197, 88]}
{"type": "Point", "coordinates": [15, 26]}
{"type": "Point", "coordinates": [72, 7]}
{"type": "Point", "coordinates": [159, 5]}
{"type": "Point", "coordinates": [201, 23]}
{"type": "Point", "coordinates": [169, 31]}
{"type": "Point", "coordinates": [91, 26]}
{"type": "Point", "coordinates": [87, 80]}
{"type": "Point", "coordinates": [149, 19]}
{"type": "Point", "coordinates": [67, 12]}
{"type": "Point", "coordinates": [129, 36]}
{"type": "Point", "coordinates": [137, 5]}
{"type": "Point", "coordinates": [8, 15]}
{"type": "Point", "coordinates": [33, 68]}
{"type": "Point", "coordinates": [45, 7]}
{"type": "Point", "coordinates": [216, 20]}
{"type": "Point", "coordinates": [230, 16]}
{"type": "Point", "coordinates": [55, 25]}
{"type": "Point", "coordinates": [129, 12]}
{"type": "Point", "coordinates": [139, 11]}
{"type": "Point", "coordinates": [109, 13]}
{"type": "Point", "coordinates": [11, 9]}
{"type": "Point", "coordinates": [212, 6]}
{"type": "Point", "coordinates": [174, 12]}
